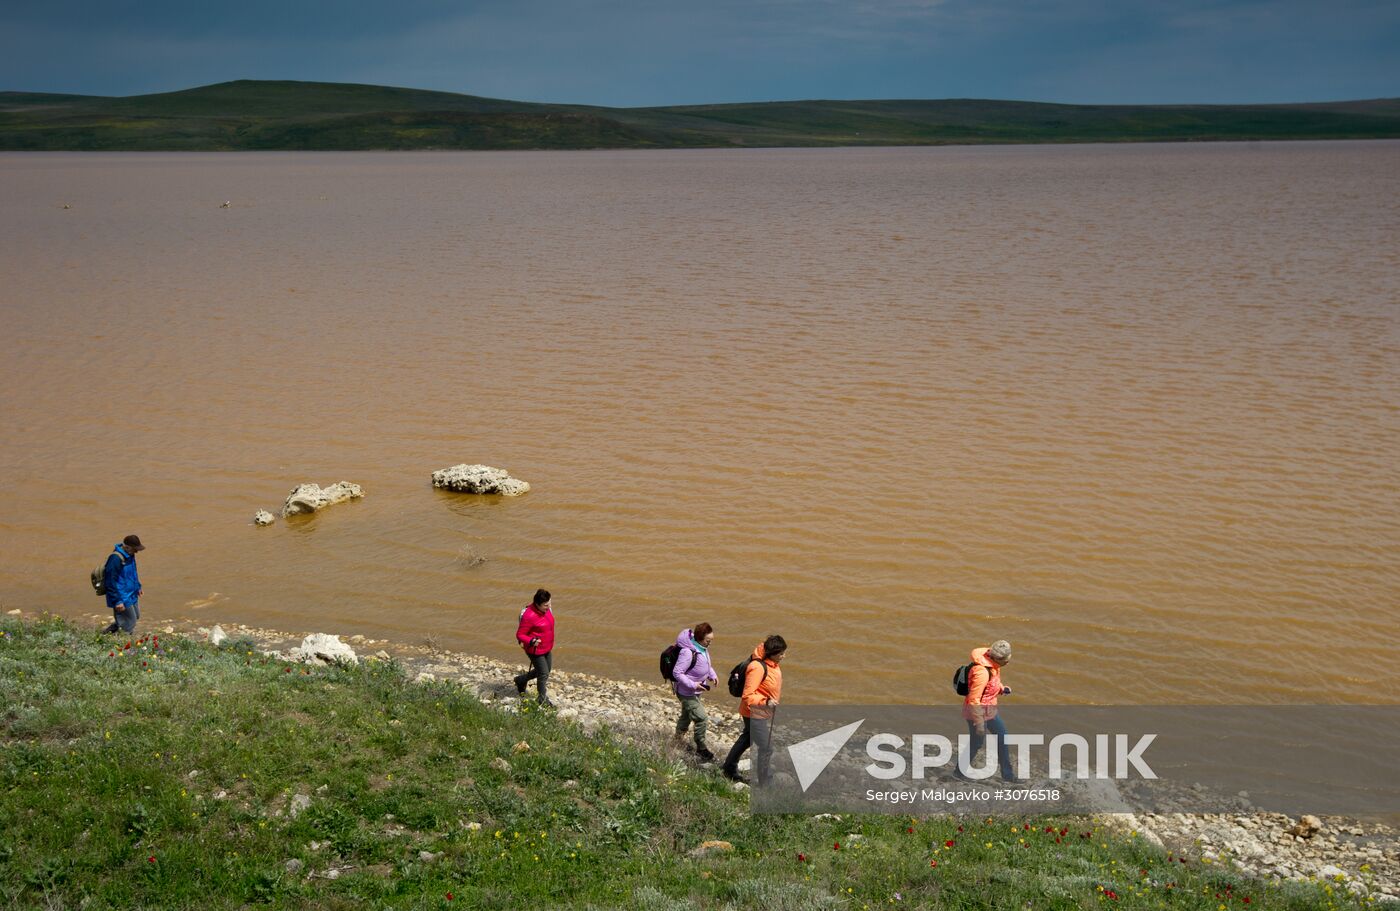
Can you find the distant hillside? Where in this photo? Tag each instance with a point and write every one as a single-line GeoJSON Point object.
{"type": "Point", "coordinates": [250, 114]}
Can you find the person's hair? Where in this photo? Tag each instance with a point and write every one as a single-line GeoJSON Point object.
{"type": "Point", "coordinates": [701, 631]}
{"type": "Point", "coordinates": [774, 646]}
{"type": "Point", "coordinates": [541, 597]}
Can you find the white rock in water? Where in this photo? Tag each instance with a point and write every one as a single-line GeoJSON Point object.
{"type": "Point", "coordinates": [263, 517]}
{"type": "Point", "coordinates": [323, 647]}
{"type": "Point", "coordinates": [217, 636]}
{"type": "Point", "coordinates": [479, 479]}
{"type": "Point", "coordinates": [310, 497]}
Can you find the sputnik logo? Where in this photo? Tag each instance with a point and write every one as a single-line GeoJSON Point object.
{"type": "Point", "coordinates": [810, 757]}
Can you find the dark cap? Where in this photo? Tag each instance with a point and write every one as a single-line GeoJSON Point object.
{"type": "Point", "coordinates": [133, 543]}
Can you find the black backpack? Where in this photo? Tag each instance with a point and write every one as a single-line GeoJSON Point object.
{"type": "Point", "coordinates": [99, 575]}
{"type": "Point", "coordinates": [960, 677]}
{"type": "Point", "coordinates": [668, 661]}
{"type": "Point", "coordinates": [741, 670]}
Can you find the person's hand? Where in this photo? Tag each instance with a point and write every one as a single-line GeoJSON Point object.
{"type": "Point", "coordinates": [535, 642]}
{"type": "Point", "coordinates": [120, 608]}
{"type": "Point", "coordinates": [705, 685]}
{"type": "Point", "coordinates": [1006, 691]}
{"type": "Point", "coordinates": [140, 592]}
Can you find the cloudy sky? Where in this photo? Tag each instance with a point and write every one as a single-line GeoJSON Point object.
{"type": "Point", "coordinates": [655, 52]}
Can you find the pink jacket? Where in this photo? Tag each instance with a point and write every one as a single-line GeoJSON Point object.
{"type": "Point", "coordinates": [536, 624]}
{"type": "Point", "coordinates": [983, 688]}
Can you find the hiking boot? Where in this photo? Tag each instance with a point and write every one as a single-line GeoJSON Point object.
{"type": "Point", "coordinates": [704, 754]}
{"type": "Point", "coordinates": [546, 704]}
{"type": "Point", "coordinates": [733, 775]}
{"type": "Point", "coordinates": [520, 684]}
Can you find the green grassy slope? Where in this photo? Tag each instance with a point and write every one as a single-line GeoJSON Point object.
{"type": "Point", "coordinates": [250, 114]}
{"type": "Point", "coordinates": [162, 773]}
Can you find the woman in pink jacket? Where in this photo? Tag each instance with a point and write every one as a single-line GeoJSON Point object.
{"type": "Point", "coordinates": [536, 636]}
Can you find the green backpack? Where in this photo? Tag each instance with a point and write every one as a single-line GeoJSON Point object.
{"type": "Point", "coordinates": [99, 575]}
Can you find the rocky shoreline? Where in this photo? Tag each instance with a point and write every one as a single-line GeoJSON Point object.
{"type": "Point", "coordinates": [1360, 856]}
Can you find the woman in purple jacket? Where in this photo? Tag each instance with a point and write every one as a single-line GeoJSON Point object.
{"type": "Point", "coordinates": [691, 677]}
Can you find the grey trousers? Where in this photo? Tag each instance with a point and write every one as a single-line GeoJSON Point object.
{"type": "Point", "coordinates": [540, 666]}
{"type": "Point", "coordinates": [125, 621]}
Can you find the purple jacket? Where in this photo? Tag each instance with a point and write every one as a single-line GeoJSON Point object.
{"type": "Point", "coordinates": [692, 667]}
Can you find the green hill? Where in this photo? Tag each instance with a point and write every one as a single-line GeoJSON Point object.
{"type": "Point", "coordinates": [250, 114]}
{"type": "Point", "coordinates": [164, 773]}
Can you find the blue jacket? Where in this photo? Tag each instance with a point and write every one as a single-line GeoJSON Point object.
{"type": "Point", "coordinates": [119, 577]}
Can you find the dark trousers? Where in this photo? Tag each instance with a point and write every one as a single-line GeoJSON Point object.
{"type": "Point", "coordinates": [762, 734]}
{"type": "Point", "coordinates": [540, 666]}
{"type": "Point", "coordinates": [976, 741]}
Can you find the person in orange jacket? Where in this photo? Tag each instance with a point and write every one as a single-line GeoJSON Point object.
{"type": "Point", "coordinates": [980, 710]}
{"type": "Point", "coordinates": [763, 687]}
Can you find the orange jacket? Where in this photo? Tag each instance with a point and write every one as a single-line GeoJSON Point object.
{"type": "Point", "coordinates": [983, 688]}
{"type": "Point", "coordinates": [760, 688]}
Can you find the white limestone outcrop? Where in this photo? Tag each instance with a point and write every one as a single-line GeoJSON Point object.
{"type": "Point", "coordinates": [311, 497]}
{"type": "Point", "coordinates": [479, 479]}
{"type": "Point", "coordinates": [322, 648]}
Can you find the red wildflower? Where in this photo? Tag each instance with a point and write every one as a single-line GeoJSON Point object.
{"type": "Point", "coordinates": [959, 828]}
{"type": "Point", "coordinates": [287, 671]}
{"type": "Point", "coordinates": [933, 863]}
{"type": "Point", "coordinates": [111, 654]}
{"type": "Point", "coordinates": [949, 843]}
{"type": "Point", "coordinates": [910, 830]}
{"type": "Point", "coordinates": [1058, 839]}
{"type": "Point", "coordinates": [449, 896]}
{"type": "Point", "coordinates": [1026, 827]}
{"type": "Point", "coordinates": [836, 846]}
{"type": "Point", "coordinates": [151, 859]}
{"type": "Point", "coordinates": [1064, 831]}
{"type": "Point", "coordinates": [801, 858]}
{"type": "Point", "coordinates": [1247, 900]}
{"type": "Point", "coordinates": [1111, 894]}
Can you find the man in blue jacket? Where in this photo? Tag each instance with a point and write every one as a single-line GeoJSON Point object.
{"type": "Point", "coordinates": [122, 584]}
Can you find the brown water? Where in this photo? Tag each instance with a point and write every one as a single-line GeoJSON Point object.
{"type": "Point", "coordinates": [1134, 408]}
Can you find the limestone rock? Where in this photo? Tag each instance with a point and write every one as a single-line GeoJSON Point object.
{"type": "Point", "coordinates": [712, 847]}
{"type": "Point", "coordinates": [263, 517]}
{"type": "Point", "coordinates": [425, 677]}
{"type": "Point", "coordinates": [479, 479]}
{"type": "Point", "coordinates": [299, 803]}
{"type": "Point", "coordinates": [500, 765]}
{"type": "Point", "coordinates": [217, 636]}
{"type": "Point", "coordinates": [294, 866]}
{"type": "Point", "coordinates": [310, 497]}
{"type": "Point", "coordinates": [1306, 827]}
{"type": "Point", "coordinates": [521, 747]}
{"type": "Point", "coordinates": [323, 647]}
